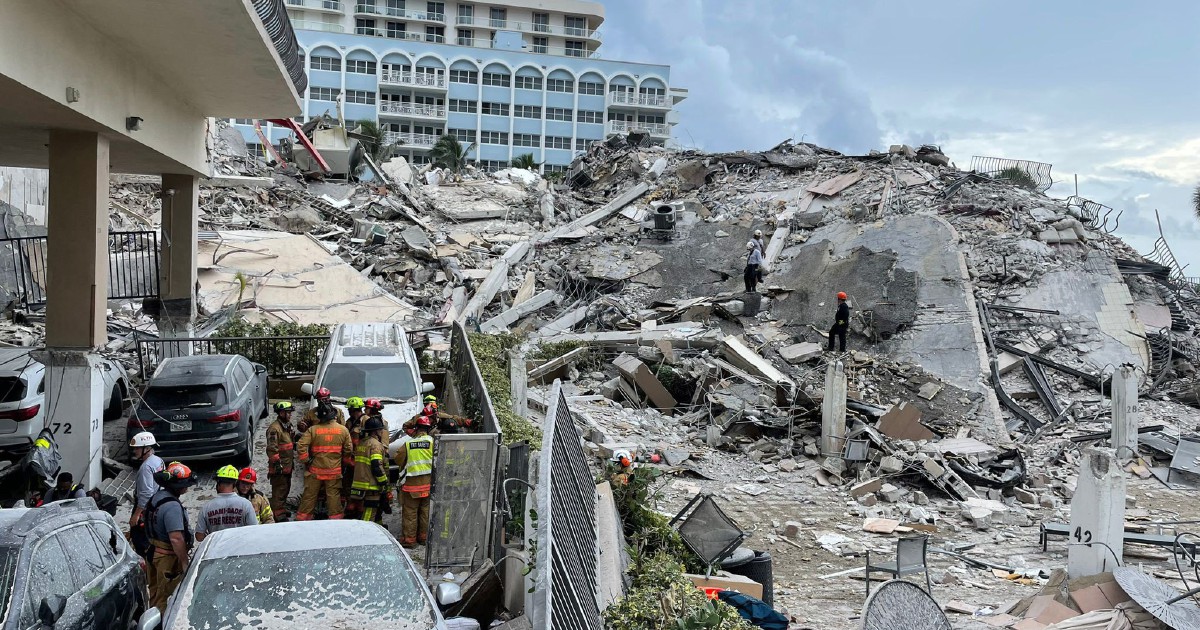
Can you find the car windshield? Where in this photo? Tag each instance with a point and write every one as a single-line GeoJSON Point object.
{"type": "Point", "coordinates": [184, 396]}
{"type": "Point", "coordinates": [370, 380]}
{"type": "Point", "coordinates": [12, 389]}
{"type": "Point", "coordinates": [8, 574]}
{"type": "Point", "coordinates": [348, 587]}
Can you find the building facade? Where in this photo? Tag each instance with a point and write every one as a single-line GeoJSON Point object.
{"type": "Point", "coordinates": [518, 77]}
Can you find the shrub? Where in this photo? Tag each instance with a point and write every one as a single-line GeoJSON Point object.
{"type": "Point", "coordinates": [1017, 177]}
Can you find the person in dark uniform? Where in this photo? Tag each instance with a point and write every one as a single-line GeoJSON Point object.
{"type": "Point", "coordinates": [841, 323]}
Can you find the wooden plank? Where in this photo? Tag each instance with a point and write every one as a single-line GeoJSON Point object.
{"type": "Point", "coordinates": [507, 318]}
{"type": "Point", "coordinates": [518, 382]}
{"type": "Point", "coordinates": [831, 187]}
{"type": "Point", "coordinates": [526, 289]}
{"type": "Point", "coordinates": [749, 360]}
{"type": "Point", "coordinates": [886, 198]}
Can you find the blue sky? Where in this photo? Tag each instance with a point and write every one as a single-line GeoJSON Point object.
{"type": "Point", "coordinates": [1107, 91]}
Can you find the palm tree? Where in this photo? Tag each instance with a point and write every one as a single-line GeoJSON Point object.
{"type": "Point", "coordinates": [1196, 200]}
{"type": "Point", "coordinates": [449, 154]}
{"type": "Point", "coordinates": [378, 148]}
{"type": "Point", "coordinates": [525, 161]}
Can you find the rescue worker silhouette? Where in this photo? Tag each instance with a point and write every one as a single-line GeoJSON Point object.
{"type": "Point", "coordinates": [245, 487]}
{"type": "Point", "coordinates": [370, 487]}
{"type": "Point", "coordinates": [281, 457]}
{"type": "Point", "coordinates": [415, 458]}
{"type": "Point", "coordinates": [169, 533]}
{"type": "Point", "coordinates": [323, 450]}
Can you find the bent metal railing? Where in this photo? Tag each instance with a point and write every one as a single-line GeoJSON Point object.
{"type": "Point", "coordinates": [1038, 173]}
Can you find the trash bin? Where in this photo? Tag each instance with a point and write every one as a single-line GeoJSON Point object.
{"type": "Point", "coordinates": [760, 570]}
{"type": "Point", "coordinates": [740, 556]}
{"type": "Point", "coordinates": [664, 217]}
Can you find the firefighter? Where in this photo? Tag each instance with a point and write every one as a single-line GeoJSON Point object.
{"type": "Point", "coordinates": [415, 459]}
{"type": "Point", "coordinates": [370, 487]}
{"type": "Point", "coordinates": [226, 510]}
{"type": "Point", "coordinates": [323, 450]}
{"type": "Point", "coordinates": [262, 507]}
{"type": "Point", "coordinates": [356, 416]}
{"type": "Point", "coordinates": [170, 535]}
{"type": "Point", "coordinates": [141, 447]}
{"type": "Point", "coordinates": [431, 406]}
{"type": "Point", "coordinates": [324, 400]}
{"type": "Point", "coordinates": [281, 457]}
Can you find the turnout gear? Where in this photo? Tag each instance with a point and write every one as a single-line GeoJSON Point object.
{"type": "Point", "coordinates": [281, 450]}
{"type": "Point", "coordinates": [312, 416]}
{"type": "Point", "coordinates": [164, 516]}
{"type": "Point", "coordinates": [323, 450]}
{"type": "Point", "coordinates": [262, 507]}
{"type": "Point", "coordinates": [415, 459]}
{"type": "Point", "coordinates": [370, 473]}
{"type": "Point", "coordinates": [841, 324]}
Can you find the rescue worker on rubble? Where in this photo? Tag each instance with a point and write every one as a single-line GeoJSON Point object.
{"type": "Point", "coordinates": [754, 259]}
{"type": "Point", "coordinates": [415, 458]}
{"type": "Point", "coordinates": [64, 488]}
{"type": "Point", "coordinates": [759, 242]}
{"type": "Point", "coordinates": [245, 487]}
{"type": "Point", "coordinates": [228, 509]}
{"type": "Point", "coordinates": [281, 456]}
{"type": "Point", "coordinates": [144, 486]}
{"type": "Point", "coordinates": [324, 400]}
{"type": "Point", "coordinates": [354, 422]}
{"type": "Point", "coordinates": [370, 488]}
{"type": "Point", "coordinates": [841, 323]}
{"type": "Point", "coordinates": [323, 449]}
{"type": "Point", "coordinates": [170, 535]}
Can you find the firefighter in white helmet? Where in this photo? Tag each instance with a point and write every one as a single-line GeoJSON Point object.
{"type": "Point", "coordinates": [141, 447]}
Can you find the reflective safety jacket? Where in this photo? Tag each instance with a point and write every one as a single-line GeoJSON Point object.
{"type": "Point", "coordinates": [415, 458]}
{"type": "Point", "coordinates": [370, 472]}
{"type": "Point", "coordinates": [281, 447]}
{"type": "Point", "coordinates": [262, 508]}
{"type": "Point", "coordinates": [324, 449]}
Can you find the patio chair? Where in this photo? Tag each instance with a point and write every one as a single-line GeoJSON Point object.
{"type": "Point", "coordinates": [910, 558]}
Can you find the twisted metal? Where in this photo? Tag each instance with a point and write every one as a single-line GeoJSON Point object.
{"type": "Point", "coordinates": [1039, 172]}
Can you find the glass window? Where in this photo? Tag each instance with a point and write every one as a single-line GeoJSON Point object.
{"type": "Point", "coordinates": [463, 106]}
{"type": "Point", "coordinates": [526, 140]}
{"type": "Point", "coordinates": [466, 13]}
{"type": "Point", "coordinates": [12, 389]}
{"type": "Point", "coordinates": [575, 48]}
{"type": "Point", "coordinates": [396, 30]}
{"type": "Point", "coordinates": [370, 380]}
{"type": "Point", "coordinates": [87, 558]}
{"type": "Point", "coordinates": [584, 116]}
{"type": "Point", "coordinates": [464, 76]}
{"type": "Point", "coordinates": [323, 94]}
{"type": "Point", "coordinates": [540, 45]}
{"type": "Point", "coordinates": [466, 37]}
{"type": "Point", "coordinates": [575, 26]}
{"type": "Point", "coordinates": [496, 79]}
{"type": "Point", "coordinates": [8, 575]}
{"type": "Point", "coordinates": [435, 34]}
{"type": "Point", "coordinates": [111, 542]}
{"type": "Point", "coordinates": [594, 89]}
{"type": "Point", "coordinates": [331, 64]}
{"type": "Point", "coordinates": [557, 142]}
{"type": "Point", "coordinates": [493, 137]}
{"type": "Point", "coordinates": [463, 135]}
{"type": "Point", "coordinates": [499, 17]}
{"type": "Point", "coordinates": [559, 85]}
{"type": "Point", "coordinates": [364, 26]}
{"type": "Point", "coordinates": [360, 66]}
{"type": "Point", "coordinates": [495, 109]}
{"type": "Point", "coordinates": [581, 144]}
{"type": "Point", "coordinates": [395, 7]}
{"type": "Point", "coordinates": [541, 22]}
{"type": "Point", "coordinates": [527, 111]}
{"type": "Point", "coordinates": [558, 113]}
{"type": "Point", "coordinates": [529, 83]}
{"type": "Point", "coordinates": [184, 396]}
{"type": "Point", "coordinates": [294, 589]}
{"type": "Point", "coordinates": [46, 577]}
{"type": "Point", "coordinates": [436, 10]}
{"type": "Point", "coordinates": [361, 97]}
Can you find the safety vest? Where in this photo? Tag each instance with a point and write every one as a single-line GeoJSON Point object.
{"type": "Point", "coordinates": [420, 456]}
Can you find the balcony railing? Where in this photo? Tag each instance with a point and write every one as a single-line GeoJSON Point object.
{"type": "Point", "coordinates": [527, 27]}
{"type": "Point", "coordinates": [309, 25]}
{"type": "Point", "coordinates": [420, 79]}
{"type": "Point", "coordinates": [482, 42]}
{"type": "Point", "coordinates": [420, 110]}
{"type": "Point", "coordinates": [415, 140]}
{"type": "Point", "coordinates": [637, 99]}
{"type": "Point", "coordinates": [323, 5]}
{"type": "Point", "coordinates": [625, 126]}
{"type": "Point", "coordinates": [404, 14]}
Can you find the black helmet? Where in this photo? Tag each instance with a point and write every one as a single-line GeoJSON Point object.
{"type": "Point", "coordinates": [374, 423]}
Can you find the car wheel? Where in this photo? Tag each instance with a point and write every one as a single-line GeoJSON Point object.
{"type": "Point", "coordinates": [242, 460]}
{"type": "Point", "coordinates": [113, 411]}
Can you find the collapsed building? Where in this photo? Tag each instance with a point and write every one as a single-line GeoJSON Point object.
{"type": "Point", "coordinates": [992, 330]}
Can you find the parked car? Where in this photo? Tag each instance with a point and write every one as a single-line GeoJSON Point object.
{"type": "Point", "coordinates": [67, 566]}
{"type": "Point", "coordinates": [372, 361]}
{"type": "Point", "coordinates": [203, 407]}
{"type": "Point", "coordinates": [23, 398]}
{"type": "Point", "coordinates": [302, 574]}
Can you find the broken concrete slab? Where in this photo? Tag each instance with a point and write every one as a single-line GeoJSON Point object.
{"type": "Point", "coordinates": [903, 422]}
{"type": "Point", "coordinates": [502, 321]}
{"type": "Point", "coordinates": [738, 354]}
{"type": "Point", "coordinates": [639, 374]}
{"type": "Point", "coordinates": [800, 352]}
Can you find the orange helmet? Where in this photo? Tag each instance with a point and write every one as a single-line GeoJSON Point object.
{"type": "Point", "coordinates": [248, 475]}
{"type": "Point", "coordinates": [841, 295]}
{"type": "Point", "coordinates": [175, 475]}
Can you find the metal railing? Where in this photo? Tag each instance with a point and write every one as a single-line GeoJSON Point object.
{"type": "Point", "coordinates": [404, 14]}
{"type": "Point", "coordinates": [633, 98]}
{"type": "Point", "coordinates": [132, 267]}
{"type": "Point", "coordinates": [412, 109]}
{"type": "Point", "coordinates": [282, 356]}
{"type": "Point", "coordinates": [527, 27]}
{"type": "Point", "coordinates": [408, 77]}
{"type": "Point", "coordinates": [625, 126]}
{"type": "Point", "coordinates": [1037, 173]}
{"type": "Point", "coordinates": [409, 139]}
{"type": "Point", "coordinates": [309, 25]}
{"type": "Point", "coordinates": [274, 17]}
{"type": "Point", "coordinates": [325, 5]}
{"type": "Point", "coordinates": [565, 582]}
{"type": "Point", "coordinates": [475, 400]}
{"type": "Point", "coordinates": [1094, 215]}
{"type": "Point", "coordinates": [462, 502]}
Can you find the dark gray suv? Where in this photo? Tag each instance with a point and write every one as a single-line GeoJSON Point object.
{"type": "Point", "coordinates": [67, 566]}
{"type": "Point", "coordinates": [203, 407]}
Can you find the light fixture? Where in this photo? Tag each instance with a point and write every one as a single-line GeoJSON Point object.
{"type": "Point", "coordinates": [133, 123]}
{"type": "Point", "coordinates": [72, 95]}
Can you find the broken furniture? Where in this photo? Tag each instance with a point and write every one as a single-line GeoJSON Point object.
{"type": "Point", "coordinates": [910, 558]}
{"type": "Point", "coordinates": [1159, 540]}
{"type": "Point", "coordinates": [900, 604]}
{"type": "Point", "coordinates": [1159, 598]}
{"type": "Point", "coordinates": [707, 531]}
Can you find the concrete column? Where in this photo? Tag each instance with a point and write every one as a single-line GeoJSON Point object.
{"type": "Point", "coordinates": [1097, 533]}
{"type": "Point", "coordinates": [177, 261]}
{"type": "Point", "coordinates": [1124, 413]}
{"type": "Point", "coordinates": [77, 263]}
{"type": "Point", "coordinates": [833, 410]}
{"type": "Point", "coordinates": [518, 377]}
{"type": "Point", "coordinates": [76, 300]}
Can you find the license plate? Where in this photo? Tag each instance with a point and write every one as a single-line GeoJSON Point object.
{"type": "Point", "coordinates": [181, 425]}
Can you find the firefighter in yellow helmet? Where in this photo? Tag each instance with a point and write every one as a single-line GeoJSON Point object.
{"type": "Point", "coordinates": [354, 421]}
{"type": "Point", "coordinates": [370, 487]}
{"type": "Point", "coordinates": [281, 457]}
{"type": "Point", "coordinates": [415, 459]}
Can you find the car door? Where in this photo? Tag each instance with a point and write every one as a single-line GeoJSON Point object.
{"type": "Point", "coordinates": [50, 575]}
{"type": "Point", "coordinates": [96, 579]}
{"type": "Point", "coordinates": [245, 384]}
